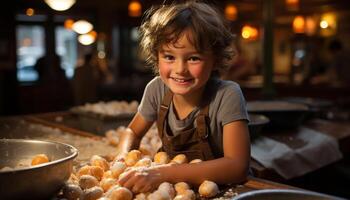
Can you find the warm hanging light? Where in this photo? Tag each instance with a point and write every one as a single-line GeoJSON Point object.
{"type": "Point", "coordinates": [30, 11]}
{"type": "Point", "coordinates": [231, 12]}
{"type": "Point", "coordinates": [328, 20]}
{"type": "Point", "coordinates": [292, 4]}
{"type": "Point", "coordinates": [135, 8]}
{"type": "Point", "coordinates": [310, 26]}
{"type": "Point", "coordinates": [249, 32]}
{"type": "Point", "coordinates": [68, 24]}
{"type": "Point", "coordinates": [299, 24]}
{"type": "Point", "coordinates": [82, 26]}
{"type": "Point", "coordinates": [88, 38]}
{"type": "Point", "coordinates": [328, 24]}
{"type": "Point", "coordinates": [324, 24]}
{"type": "Point", "coordinates": [60, 5]}
{"type": "Point", "coordinates": [93, 34]}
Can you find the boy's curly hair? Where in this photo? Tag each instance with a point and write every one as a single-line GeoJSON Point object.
{"type": "Point", "coordinates": [165, 23]}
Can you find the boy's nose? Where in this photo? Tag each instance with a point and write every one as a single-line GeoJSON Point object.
{"type": "Point", "coordinates": [180, 67]}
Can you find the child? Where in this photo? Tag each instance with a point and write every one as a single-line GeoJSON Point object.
{"type": "Point", "coordinates": [196, 114]}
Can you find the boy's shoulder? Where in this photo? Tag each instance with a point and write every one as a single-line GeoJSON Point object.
{"type": "Point", "coordinates": [220, 91]}
{"type": "Point", "coordinates": [224, 86]}
{"type": "Point", "coordinates": [156, 87]}
{"type": "Point", "coordinates": [156, 82]}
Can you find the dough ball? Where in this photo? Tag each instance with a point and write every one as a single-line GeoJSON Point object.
{"type": "Point", "coordinates": [117, 168]}
{"type": "Point", "coordinates": [180, 159]}
{"type": "Point", "coordinates": [161, 158]}
{"type": "Point", "coordinates": [208, 189]}
{"type": "Point", "coordinates": [107, 174]}
{"type": "Point", "coordinates": [141, 196]}
{"type": "Point", "coordinates": [159, 195]}
{"type": "Point", "coordinates": [195, 161]}
{"type": "Point", "coordinates": [168, 188]}
{"type": "Point", "coordinates": [84, 170]}
{"type": "Point", "coordinates": [87, 181]}
{"type": "Point", "coordinates": [95, 171]}
{"type": "Point", "coordinates": [71, 191]}
{"type": "Point", "coordinates": [186, 195]}
{"type": "Point", "coordinates": [40, 159]}
{"type": "Point", "coordinates": [120, 193]}
{"type": "Point", "coordinates": [181, 187]}
{"type": "Point", "coordinates": [100, 162]}
{"type": "Point", "coordinates": [107, 183]}
{"type": "Point", "coordinates": [144, 162]}
{"type": "Point", "coordinates": [92, 193]}
{"type": "Point", "coordinates": [132, 157]}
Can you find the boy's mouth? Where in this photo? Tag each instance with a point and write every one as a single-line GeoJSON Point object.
{"type": "Point", "coordinates": [181, 80]}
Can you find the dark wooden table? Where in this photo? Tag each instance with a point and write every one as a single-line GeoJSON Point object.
{"type": "Point", "coordinates": [18, 127]}
{"type": "Point", "coordinates": [340, 130]}
{"type": "Point", "coordinates": [14, 127]}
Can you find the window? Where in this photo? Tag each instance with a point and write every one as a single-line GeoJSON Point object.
{"type": "Point", "coordinates": [66, 48]}
{"type": "Point", "coordinates": [30, 47]}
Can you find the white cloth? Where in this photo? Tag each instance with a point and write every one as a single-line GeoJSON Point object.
{"type": "Point", "coordinates": [318, 150]}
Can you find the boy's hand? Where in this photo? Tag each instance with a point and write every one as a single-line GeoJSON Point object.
{"type": "Point", "coordinates": [141, 179]}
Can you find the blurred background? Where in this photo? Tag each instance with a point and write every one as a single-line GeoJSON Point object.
{"type": "Point", "coordinates": [52, 58]}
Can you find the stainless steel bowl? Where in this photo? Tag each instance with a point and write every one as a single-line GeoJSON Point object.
{"type": "Point", "coordinates": [34, 182]}
{"type": "Point", "coordinates": [285, 194]}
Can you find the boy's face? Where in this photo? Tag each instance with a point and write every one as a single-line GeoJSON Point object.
{"type": "Point", "coordinates": [182, 68]}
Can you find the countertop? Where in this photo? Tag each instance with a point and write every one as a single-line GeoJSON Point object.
{"type": "Point", "coordinates": [66, 122]}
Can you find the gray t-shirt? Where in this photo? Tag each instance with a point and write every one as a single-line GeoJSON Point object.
{"type": "Point", "coordinates": [227, 104]}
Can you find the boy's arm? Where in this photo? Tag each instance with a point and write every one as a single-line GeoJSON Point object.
{"type": "Point", "coordinates": [132, 136]}
{"type": "Point", "coordinates": [232, 168]}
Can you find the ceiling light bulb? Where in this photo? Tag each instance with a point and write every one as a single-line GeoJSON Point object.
{"type": "Point", "coordinates": [135, 8]}
{"type": "Point", "coordinates": [60, 5]}
{"type": "Point", "coordinates": [82, 26]}
{"type": "Point", "coordinates": [86, 39]}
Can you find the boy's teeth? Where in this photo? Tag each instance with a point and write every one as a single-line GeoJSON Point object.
{"type": "Point", "coordinates": [179, 80]}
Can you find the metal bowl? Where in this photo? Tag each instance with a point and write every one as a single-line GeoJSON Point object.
{"type": "Point", "coordinates": [256, 124]}
{"type": "Point", "coordinates": [285, 194]}
{"type": "Point", "coordinates": [34, 182]}
{"type": "Point", "coordinates": [282, 114]}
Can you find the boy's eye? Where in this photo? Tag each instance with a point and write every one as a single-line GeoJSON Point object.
{"type": "Point", "coordinates": [194, 59]}
{"type": "Point", "coordinates": [168, 57]}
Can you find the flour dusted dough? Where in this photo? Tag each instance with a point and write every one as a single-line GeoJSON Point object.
{"type": "Point", "coordinates": [120, 193]}
{"type": "Point", "coordinates": [87, 181]}
{"type": "Point", "coordinates": [161, 158]}
{"type": "Point", "coordinates": [208, 189]}
{"type": "Point", "coordinates": [132, 157]}
{"type": "Point", "coordinates": [100, 162]}
{"type": "Point", "coordinates": [40, 159]}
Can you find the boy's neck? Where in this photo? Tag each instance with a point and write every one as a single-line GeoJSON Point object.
{"type": "Point", "coordinates": [184, 105]}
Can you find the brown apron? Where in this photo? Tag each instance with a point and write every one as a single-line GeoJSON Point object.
{"type": "Point", "coordinates": [193, 143]}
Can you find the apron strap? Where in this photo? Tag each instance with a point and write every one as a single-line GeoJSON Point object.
{"type": "Point", "coordinates": [164, 108]}
{"type": "Point", "coordinates": [202, 122]}
{"type": "Point", "coordinates": [203, 132]}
